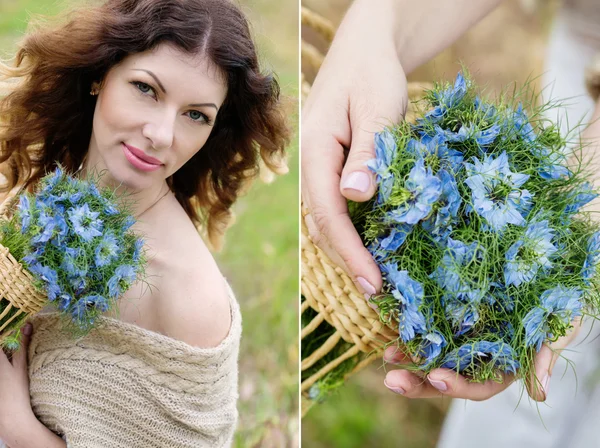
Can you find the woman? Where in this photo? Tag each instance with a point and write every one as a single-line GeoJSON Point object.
{"type": "Point", "coordinates": [167, 99]}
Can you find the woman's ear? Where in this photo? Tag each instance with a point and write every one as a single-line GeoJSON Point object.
{"type": "Point", "coordinates": [95, 88]}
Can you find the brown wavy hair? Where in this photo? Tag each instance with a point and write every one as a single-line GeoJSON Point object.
{"type": "Point", "coordinates": [47, 118]}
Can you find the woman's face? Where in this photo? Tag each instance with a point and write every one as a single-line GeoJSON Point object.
{"type": "Point", "coordinates": [155, 110]}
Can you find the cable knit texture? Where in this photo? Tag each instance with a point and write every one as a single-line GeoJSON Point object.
{"type": "Point", "coordinates": [124, 386]}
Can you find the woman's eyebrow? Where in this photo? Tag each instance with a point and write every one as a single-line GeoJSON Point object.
{"type": "Point", "coordinates": [155, 78]}
{"type": "Point", "coordinates": [205, 104]}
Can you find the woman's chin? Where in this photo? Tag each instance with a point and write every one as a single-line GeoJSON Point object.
{"type": "Point", "coordinates": [130, 178]}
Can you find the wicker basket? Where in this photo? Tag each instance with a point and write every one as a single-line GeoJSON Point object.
{"type": "Point", "coordinates": [326, 288]}
{"type": "Point", "coordinates": [18, 297]}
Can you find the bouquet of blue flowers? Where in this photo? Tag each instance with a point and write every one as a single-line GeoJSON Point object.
{"type": "Point", "coordinates": [76, 244]}
{"type": "Point", "coordinates": [477, 230]}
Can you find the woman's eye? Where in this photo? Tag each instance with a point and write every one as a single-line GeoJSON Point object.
{"type": "Point", "coordinates": [198, 116]}
{"type": "Point", "coordinates": [143, 87]}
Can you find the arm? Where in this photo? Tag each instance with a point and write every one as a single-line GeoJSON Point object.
{"type": "Point", "coordinates": [19, 428]}
{"type": "Point", "coordinates": [30, 433]}
{"type": "Point", "coordinates": [428, 27]}
{"type": "Point", "coordinates": [360, 88]}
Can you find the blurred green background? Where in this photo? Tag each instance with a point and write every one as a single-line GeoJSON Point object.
{"type": "Point", "coordinates": [260, 257]}
{"type": "Point", "coordinates": [507, 46]}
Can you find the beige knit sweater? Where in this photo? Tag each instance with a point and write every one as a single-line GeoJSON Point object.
{"type": "Point", "coordinates": [123, 386]}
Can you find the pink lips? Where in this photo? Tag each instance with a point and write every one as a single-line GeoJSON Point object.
{"type": "Point", "coordinates": [140, 160]}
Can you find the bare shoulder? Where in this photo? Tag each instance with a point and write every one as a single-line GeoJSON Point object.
{"type": "Point", "coordinates": [191, 296]}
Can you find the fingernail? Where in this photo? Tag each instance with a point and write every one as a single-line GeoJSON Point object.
{"type": "Point", "coordinates": [358, 180]}
{"type": "Point", "coordinates": [392, 361]}
{"type": "Point", "coordinates": [396, 390]}
{"type": "Point", "coordinates": [546, 384]}
{"type": "Point", "coordinates": [368, 288]}
{"type": "Point", "coordinates": [439, 385]}
{"type": "Point", "coordinates": [27, 329]}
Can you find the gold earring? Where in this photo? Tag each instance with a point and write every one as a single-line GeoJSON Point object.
{"type": "Point", "coordinates": [95, 90]}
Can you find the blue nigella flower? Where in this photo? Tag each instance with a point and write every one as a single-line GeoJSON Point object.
{"type": "Point", "coordinates": [49, 277]}
{"type": "Point", "coordinates": [381, 247]}
{"type": "Point", "coordinates": [422, 190]}
{"type": "Point", "coordinates": [396, 238]}
{"type": "Point", "coordinates": [109, 208]}
{"type": "Point", "coordinates": [431, 348]}
{"type": "Point", "coordinates": [552, 164]}
{"type": "Point", "coordinates": [499, 354]}
{"type": "Point", "coordinates": [462, 309]}
{"type": "Point", "coordinates": [33, 257]}
{"type": "Point", "coordinates": [593, 258]}
{"type": "Point", "coordinates": [85, 222]}
{"type": "Point", "coordinates": [456, 256]}
{"type": "Point", "coordinates": [70, 262]}
{"type": "Point", "coordinates": [118, 283]}
{"type": "Point", "coordinates": [447, 99]}
{"type": "Point", "coordinates": [483, 137]}
{"type": "Point", "coordinates": [579, 197]}
{"type": "Point", "coordinates": [498, 296]}
{"type": "Point", "coordinates": [92, 188]}
{"type": "Point", "coordinates": [129, 222]}
{"type": "Point", "coordinates": [562, 303]}
{"type": "Point", "coordinates": [79, 285]}
{"type": "Point", "coordinates": [24, 208]}
{"type": "Point", "coordinates": [503, 330]}
{"type": "Point", "coordinates": [440, 224]}
{"type": "Point", "coordinates": [137, 249]}
{"type": "Point", "coordinates": [64, 301]}
{"type": "Point", "coordinates": [385, 153]}
{"type": "Point", "coordinates": [522, 126]}
{"type": "Point", "coordinates": [529, 254]}
{"type": "Point", "coordinates": [107, 250]}
{"type": "Point", "coordinates": [47, 224]}
{"type": "Point", "coordinates": [495, 192]}
{"type": "Point", "coordinates": [378, 254]}
{"type": "Point", "coordinates": [74, 198]}
{"type": "Point", "coordinates": [51, 181]}
{"type": "Point", "coordinates": [52, 201]}
{"type": "Point", "coordinates": [409, 294]}
{"type": "Point", "coordinates": [434, 151]}
{"type": "Point", "coordinates": [79, 311]}
{"type": "Point", "coordinates": [488, 111]}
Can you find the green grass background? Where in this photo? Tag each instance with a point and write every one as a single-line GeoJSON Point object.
{"type": "Point", "coordinates": [260, 257]}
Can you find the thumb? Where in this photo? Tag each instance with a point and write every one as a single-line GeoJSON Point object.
{"type": "Point", "coordinates": [358, 182]}
{"type": "Point", "coordinates": [539, 383]}
{"type": "Point", "coordinates": [20, 357]}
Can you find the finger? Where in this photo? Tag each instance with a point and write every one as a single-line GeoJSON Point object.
{"type": "Point", "coordinates": [538, 384]}
{"type": "Point", "coordinates": [358, 182]}
{"type": "Point", "coordinates": [19, 359]}
{"type": "Point", "coordinates": [454, 385]}
{"type": "Point", "coordinates": [394, 355]}
{"type": "Point", "coordinates": [410, 385]}
{"type": "Point", "coordinates": [320, 240]}
{"type": "Point", "coordinates": [333, 230]}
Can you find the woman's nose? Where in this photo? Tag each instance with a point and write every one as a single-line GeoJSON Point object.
{"type": "Point", "coordinates": [160, 132]}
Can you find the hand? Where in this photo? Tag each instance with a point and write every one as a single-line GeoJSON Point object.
{"type": "Point", "coordinates": [360, 89]}
{"type": "Point", "coordinates": [448, 382]}
{"type": "Point", "coordinates": [15, 412]}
